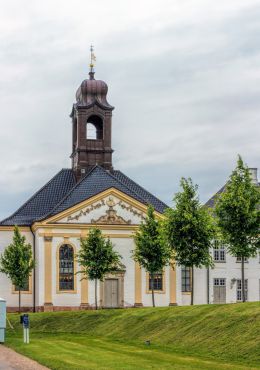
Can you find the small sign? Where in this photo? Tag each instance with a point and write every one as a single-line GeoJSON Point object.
{"type": "Point", "coordinates": [26, 321]}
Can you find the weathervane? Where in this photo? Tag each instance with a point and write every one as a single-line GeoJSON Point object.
{"type": "Point", "coordinates": [92, 59]}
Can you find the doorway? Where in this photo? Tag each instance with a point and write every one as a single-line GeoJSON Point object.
{"type": "Point", "coordinates": [219, 291]}
{"type": "Point", "coordinates": [111, 293]}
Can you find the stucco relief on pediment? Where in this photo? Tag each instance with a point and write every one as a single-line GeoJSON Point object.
{"type": "Point", "coordinates": [109, 210]}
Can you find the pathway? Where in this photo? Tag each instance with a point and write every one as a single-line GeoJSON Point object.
{"type": "Point", "coordinates": [10, 360]}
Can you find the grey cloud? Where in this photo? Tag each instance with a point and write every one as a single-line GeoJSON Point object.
{"type": "Point", "coordinates": [185, 84]}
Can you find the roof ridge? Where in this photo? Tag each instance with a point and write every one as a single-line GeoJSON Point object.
{"type": "Point", "coordinates": [33, 196]}
{"type": "Point", "coordinates": [139, 187]}
{"type": "Point", "coordinates": [125, 186]}
{"type": "Point", "coordinates": [75, 186]}
{"type": "Point", "coordinates": [66, 196]}
{"type": "Point", "coordinates": [123, 183]}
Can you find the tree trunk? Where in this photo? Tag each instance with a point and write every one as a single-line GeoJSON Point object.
{"type": "Point", "coordinates": [19, 300]}
{"type": "Point", "coordinates": [96, 306]}
{"type": "Point", "coordinates": [243, 278]}
{"type": "Point", "coordinates": [192, 285]}
{"type": "Point", "coordinates": [152, 281]}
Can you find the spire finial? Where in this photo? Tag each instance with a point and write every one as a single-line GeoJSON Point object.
{"type": "Point", "coordinates": [92, 60]}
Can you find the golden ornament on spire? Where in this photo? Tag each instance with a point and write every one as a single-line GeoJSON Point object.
{"type": "Point", "coordinates": [92, 58]}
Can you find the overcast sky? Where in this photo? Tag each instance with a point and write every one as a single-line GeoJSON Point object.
{"type": "Point", "coordinates": [183, 75]}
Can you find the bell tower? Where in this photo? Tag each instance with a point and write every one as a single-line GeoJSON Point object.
{"type": "Point", "coordinates": [91, 125]}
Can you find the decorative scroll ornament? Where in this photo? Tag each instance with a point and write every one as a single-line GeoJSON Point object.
{"type": "Point", "coordinates": [110, 203]}
{"type": "Point", "coordinates": [111, 217]}
{"type": "Point", "coordinates": [131, 209]}
{"type": "Point", "coordinates": [87, 211]}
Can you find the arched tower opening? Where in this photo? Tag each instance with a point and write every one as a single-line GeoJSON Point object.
{"type": "Point", "coordinates": [94, 128]}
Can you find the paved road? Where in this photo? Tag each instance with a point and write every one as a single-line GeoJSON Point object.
{"type": "Point", "coordinates": [10, 360]}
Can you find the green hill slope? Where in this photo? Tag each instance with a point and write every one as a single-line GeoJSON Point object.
{"type": "Point", "coordinates": [228, 332]}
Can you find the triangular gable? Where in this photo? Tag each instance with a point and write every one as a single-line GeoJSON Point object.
{"type": "Point", "coordinates": [98, 180]}
{"type": "Point", "coordinates": [109, 207]}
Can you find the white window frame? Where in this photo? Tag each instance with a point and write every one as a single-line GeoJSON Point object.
{"type": "Point", "coordinates": [187, 280]}
{"type": "Point", "coordinates": [239, 260]}
{"type": "Point", "coordinates": [219, 254]}
{"type": "Point", "coordinates": [219, 282]}
{"type": "Point", "coordinates": [239, 290]}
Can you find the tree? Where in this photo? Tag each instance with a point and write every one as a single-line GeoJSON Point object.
{"type": "Point", "coordinates": [151, 252]}
{"type": "Point", "coordinates": [189, 229]}
{"type": "Point", "coordinates": [17, 262]}
{"type": "Point", "coordinates": [97, 258]}
{"type": "Point", "coordinates": [237, 209]}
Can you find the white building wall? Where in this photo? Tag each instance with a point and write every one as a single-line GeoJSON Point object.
{"type": "Point", "coordinates": [200, 285]}
{"type": "Point", "coordinates": [179, 296]}
{"type": "Point", "coordinates": [64, 298]}
{"type": "Point", "coordinates": [161, 298]}
{"type": "Point", "coordinates": [124, 247]}
{"type": "Point", "coordinates": [6, 289]}
{"type": "Point", "coordinates": [91, 293]}
{"type": "Point", "coordinates": [231, 271]}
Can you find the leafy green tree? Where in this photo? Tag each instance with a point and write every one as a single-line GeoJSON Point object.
{"type": "Point", "coordinates": [17, 262]}
{"type": "Point", "coordinates": [238, 214]}
{"type": "Point", "coordinates": [97, 257]}
{"type": "Point", "coordinates": [151, 252]}
{"type": "Point", "coordinates": [189, 229]}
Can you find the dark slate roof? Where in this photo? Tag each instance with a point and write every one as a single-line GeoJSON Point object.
{"type": "Point", "coordinates": [62, 192]}
{"type": "Point", "coordinates": [42, 202]}
{"type": "Point", "coordinates": [148, 197]}
{"type": "Point", "coordinates": [211, 202]}
{"type": "Point", "coordinates": [98, 180]}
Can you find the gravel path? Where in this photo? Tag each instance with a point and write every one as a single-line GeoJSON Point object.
{"type": "Point", "coordinates": [10, 360]}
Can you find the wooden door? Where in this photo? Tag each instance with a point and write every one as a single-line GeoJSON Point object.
{"type": "Point", "coordinates": [111, 293]}
{"type": "Point", "coordinates": [219, 291]}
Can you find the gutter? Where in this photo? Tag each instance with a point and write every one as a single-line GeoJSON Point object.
{"type": "Point", "coordinates": [34, 277]}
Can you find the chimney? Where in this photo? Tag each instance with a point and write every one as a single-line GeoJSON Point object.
{"type": "Point", "coordinates": [253, 173]}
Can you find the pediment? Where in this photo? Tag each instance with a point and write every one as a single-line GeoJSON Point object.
{"type": "Point", "coordinates": [108, 208]}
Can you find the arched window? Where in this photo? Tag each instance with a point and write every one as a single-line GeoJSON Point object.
{"type": "Point", "coordinates": [94, 130]}
{"type": "Point", "coordinates": [66, 267]}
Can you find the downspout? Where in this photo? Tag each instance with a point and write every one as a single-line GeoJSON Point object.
{"type": "Point", "coordinates": [208, 285]}
{"type": "Point", "coordinates": [34, 277]}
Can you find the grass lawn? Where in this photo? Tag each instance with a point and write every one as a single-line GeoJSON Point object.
{"type": "Point", "coordinates": [81, 352]}
{"type": "Point", "coordinates": [198, 337]}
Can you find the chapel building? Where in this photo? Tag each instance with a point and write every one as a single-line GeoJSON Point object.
{"type": "Point", "coordinates": [90, 193]}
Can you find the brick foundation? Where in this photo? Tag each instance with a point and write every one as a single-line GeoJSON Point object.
{"type": "Point", "coordinates": [136, 305]}
{"type": "Point", "coordinates": [58, 308]}
{"type": "Point", "coordinates": [16, 309]}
